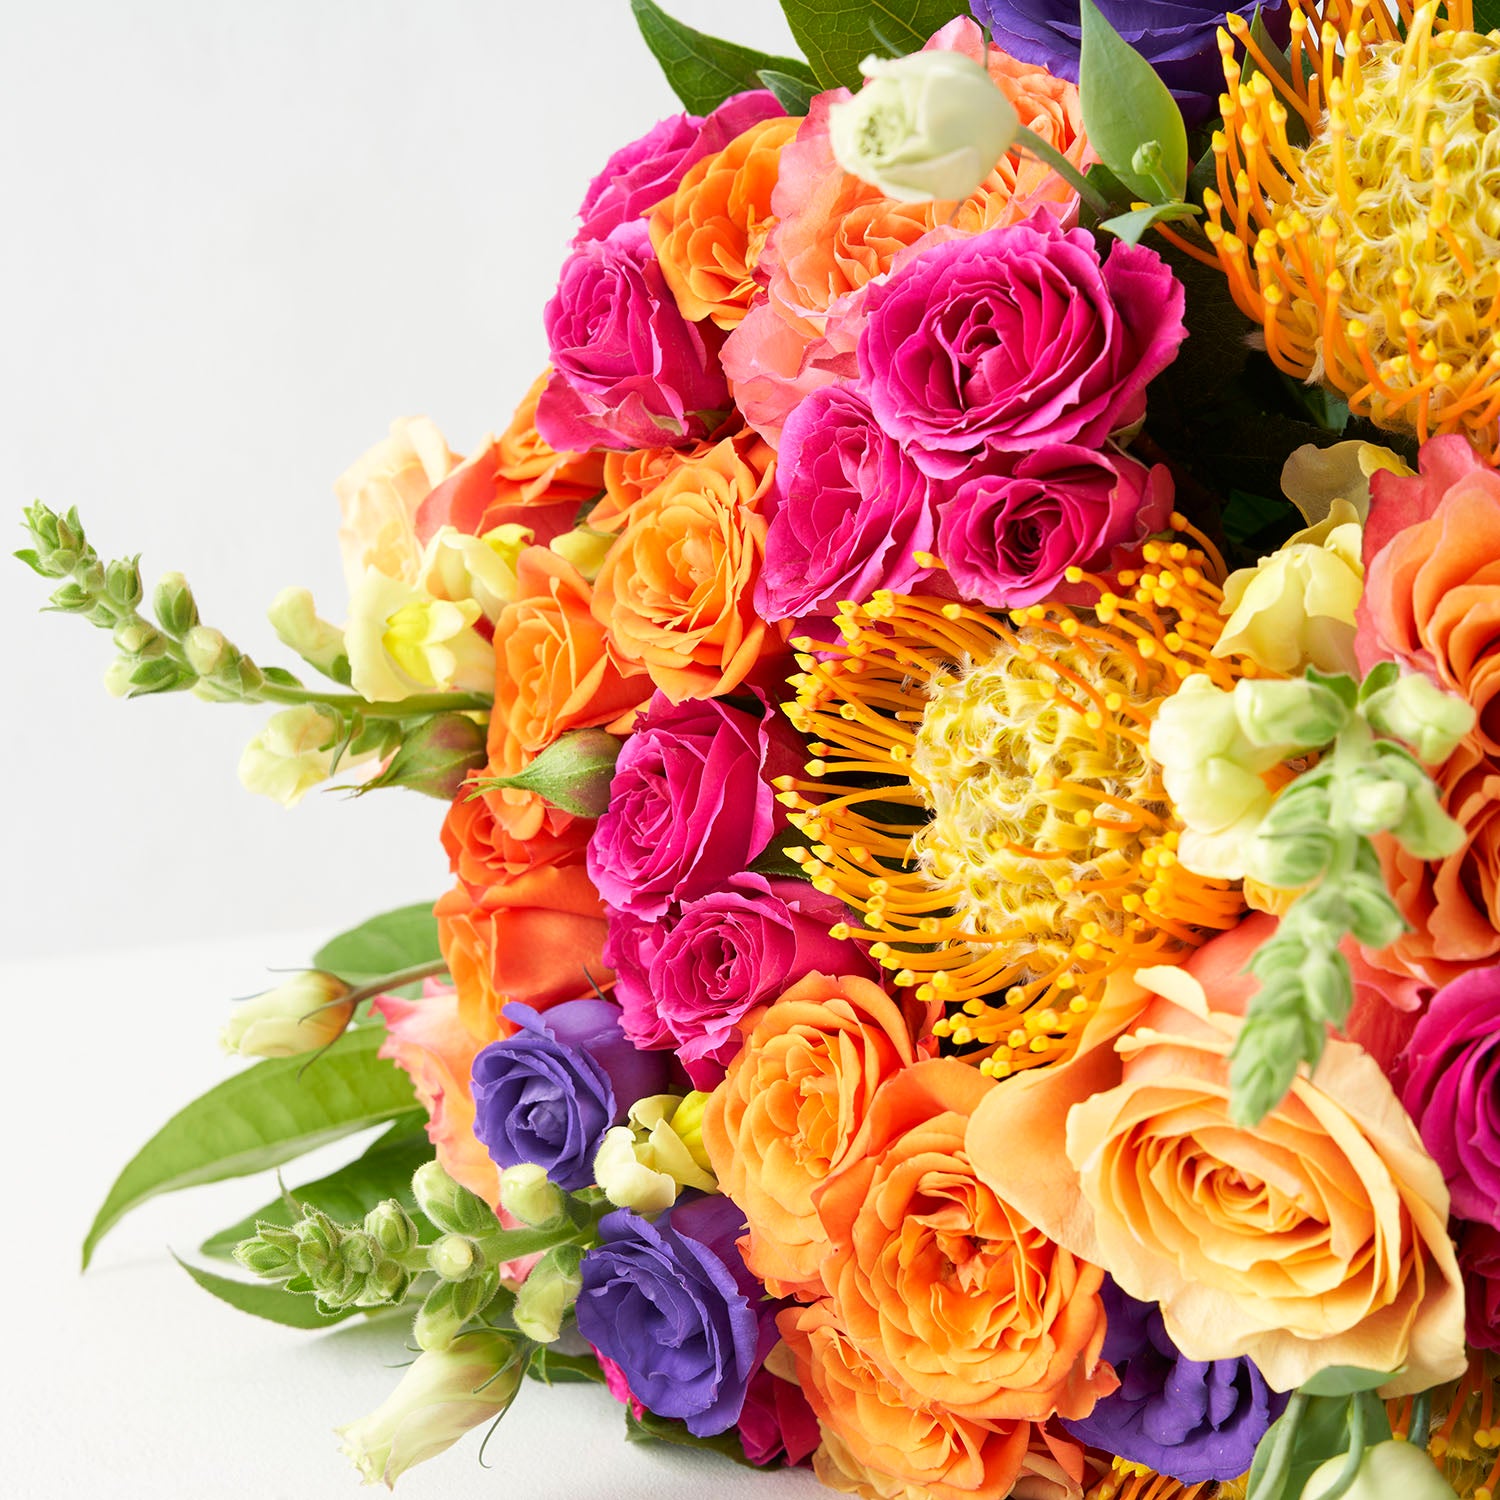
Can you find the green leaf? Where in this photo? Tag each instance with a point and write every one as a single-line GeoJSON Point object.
{"type": "Point", "coordinates": [1126, 107]}
{"type": "Point", "coordinates": [795, 95]}
{"type": "Point", "coordinates": [703, 70]}
{"type": "Point", "coordinates": [552, 1368]}
{"type": "Point", "coordinates": [265, 1299]}
{"type": "Point", "coordinates": [1486, 15]}
{"type": "Point", "coordinates": [1344, 1380]}
{"type": "Point", "coordinates": [1131, 226]}
{"type": "Point", "coordinates": [347, 1195]}
{"type": "Point", "coordinates": [261, 1117]}
{"type": "Point", "coordinates": [650, 1428]}
{"type": "Point", "coordinates": [395, 940]}
{"type": "Point", "coordinates": [837, 35]}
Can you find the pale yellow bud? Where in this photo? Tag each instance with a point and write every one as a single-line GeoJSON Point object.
{"type": "Point", "coordinates": [291, 755]}
{"type": "Point", "coordinates": [295, 620]}
{"type": "Point", "coordinates": [307, 1012]}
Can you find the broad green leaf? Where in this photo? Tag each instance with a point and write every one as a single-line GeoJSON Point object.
{"type": "Point", "coordinates": [793, 94]}
{"type": "Point", "coordinates": [347, 1195]}
{"type": "Point", "coordinates": [266, 1299]}
{"type": "Point", "coordinates": [384, 945]}
{"type": "Point", "coordinates": [650, 1428]}
{"type": "Point", "coordinates": [1344, 1380]}
{"type": "Point", "coordinates": [259, 1118]}
{"type": "Point", "coordinates": [1126, 107]}
{"type": "Point", "coordinates": [703, 70]}
{"type": "Point", "coordinates": [1486, 15]}
{"type": "Point", "coordinates": [837, 35]}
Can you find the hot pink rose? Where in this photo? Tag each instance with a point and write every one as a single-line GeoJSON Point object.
{"type": "Point", "coordinates": [1479, 1258]}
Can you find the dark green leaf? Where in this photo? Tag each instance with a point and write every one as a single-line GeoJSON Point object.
{"type": "Point", "coordinates": [1256, 525]}
{"type": "Point", "coordinates": [773, 860]}
{"type": "Point", "coordinates": [837, 35]}
{"type": "Point", "coordinates": [795, 95]}
{"type": "Point", "coordinates": [261, 1117]}
{"type": "Point", "coordinates": [1344, 1380]}
{"type": "Point", "coordinates": [265, 1299]}
{"type": "Point", "coordinates": [1131, 226]}
{"type": "Point", "coordinates": [395, 940]}
{"type": "Point", "coordinates": [1486, 15]}
{"type": "Point", "coordinates": [703, 70]}
{"type": "Point", "coordinates": [649, 1428]}
{"type": "Point", "coordinates": [552, 1368]}
{"type": "Point", "coordinates": [347, 1195]}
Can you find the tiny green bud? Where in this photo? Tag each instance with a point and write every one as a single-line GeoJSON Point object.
{"type": "Point", "coordinates": [122, 582]}
{"type": "Point", "coordinates": [206, 649]}
{"type": "Point", "coordinates": [448, 1307]}
{"type": "Point", "coordinates": [1413, 709]}
{"type": "Point", "coordinates": [1375, 802]}
{"type": "Point", "coordinates": [454, 1258]}
{"type": "Point", "coordinates": [548, 1293]}
{"type": "Point", "coordinates": [449, 1206]}
{"type": "Point", "coordinates": [526, 1193]}
{"type": "Point", "coordinates": [391, 1227]}
{"type": "Point", "coordinates": [1297, 714]}
{"type": "Point", "coordinates": [117, 677]}
{"type": "Point", "coordinates": [72, 599]}
{"type": "Point", "coordinates": [271, 1252]}
{"type": "Point", "coordinates": [387, 1282]}
{"type": "Point", "coordinates": [175, 607]}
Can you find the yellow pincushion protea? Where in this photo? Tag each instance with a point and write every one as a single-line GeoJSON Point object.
{"type": "Point", "coordinates": [983, 796]}
{"type": "Point", "coordinates": [1358, 208]}
{"type": "Point", "coordinates": [1127, 1481]}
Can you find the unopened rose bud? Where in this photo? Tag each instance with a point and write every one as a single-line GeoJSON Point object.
{"type": "Point", "coordinates": [443, 1395]}
{"type": "Point", "coordinates": [1415, 710]}
{"type": "Point", "coordinates": [928, 126]}
{"type": "Point", "coordinates": [526, 1193]}
{"type": "Point", "coordinates": [307, 1012]}
{"type": "Point", "coordinates": [548, 1293]}
{"type": "Point", "coordinates": [573, 773]}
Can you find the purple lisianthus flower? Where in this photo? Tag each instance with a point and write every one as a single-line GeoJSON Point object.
{"type": "Point", "coordinates": [1179, 38]}
{"type": "Point", "coordinates": [1009, 538]}
{"type": "Point", "coordinates": [691, 803]}
{"type": "Point", "coordinates": [638, 176]}
{"type": "Point", "coordinates": [628, 370]}
{"type": "Point", "coordinates": [737, 948]}
{"type": "Point", "coordinates": [1015, 338]}
{"type": "Point", "coordinates": [672, 1304]}
{"type": "Point", "coordinates": [548, 1093]}
{"type": "Point", "coordinates": [1451, 1068]}
{"type": "Point", "coordinates": [1185, 1418]}
{"type": "Point", "coordinates": [850, 509]}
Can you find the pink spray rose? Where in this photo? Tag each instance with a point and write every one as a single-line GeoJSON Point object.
{"type": "Point", "coordinates": [850, 509]}
{"type": "Point", "coordinates": [1479, 1259]}
{"type": "Point", "coordinates": [1008, 538]}
{"type": "Point", "coordinates": [776, 1421]}
{"type": "Point", "coordinates": [638, 176]}
{"type": "Point", "coordinates": [630, 949]}
{"type": "Point", "coordinates": [1017, 338]}
{"type": "Point", "coordinates": [628, 370]}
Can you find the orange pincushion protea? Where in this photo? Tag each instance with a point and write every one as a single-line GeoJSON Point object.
{"type": "Point", "coordinates": [1132, 1482]}
{"type": "Point", "coordinates": [983, 797]}
{"type": "Point", "coordinates": [1358, 205]}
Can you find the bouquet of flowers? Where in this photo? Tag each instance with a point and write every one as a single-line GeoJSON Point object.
{"type": "Point", "coordinates": [964, 706]}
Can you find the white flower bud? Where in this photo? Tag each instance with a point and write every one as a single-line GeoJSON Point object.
{"type": "Point", "coordinates": [305, 1013]}
{"type": "Point", "coordinates": [1415, 710]}
{"type": "Point", "coordinates": [526, 1193]}
{"type": "Point", "coordinates": [1387, 1469]}
{"type": "Point", "coordinates": [295, 619]}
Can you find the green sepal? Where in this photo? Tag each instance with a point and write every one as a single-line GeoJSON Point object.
{"type": "Point", "coordinates": [435, 757]}
{"type": "Point", "coordinates": [1132, 225]}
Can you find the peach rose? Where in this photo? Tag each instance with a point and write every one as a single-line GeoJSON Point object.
{"type": "Point", "coordinates": [961, 1300]}
{"type": "Point", "coordinates": [677, 590]}
{"type": "Point", "coordinates": [1316, 1238]}
{"type": "Point", "coordinates": [793, 1108]}
{"type": "Point", "coordinates": [515, 479]}
{"type": "Point", "coordinates": [630, 477]}
{"type": "Point", "coordinates": [555, 667]}
{"type": "Point", "coordinates": [709, 234]}
{"type": "Point", "coordinates": [427, 1040]}
{"type": "Point", "coordinates": [380, 494]}
{"type": "Point", "coordinates": [880, 1443]}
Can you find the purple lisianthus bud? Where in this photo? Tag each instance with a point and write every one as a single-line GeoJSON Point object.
{"type": "Point", "coordinates": [638, 176]}
{"type": "Point", "coordinates": [1016, 338]}
{"type": "Point", "coordinates": [1009, 538]}
{"type": "Point", "coordinates": [691, 803]}
{"type": "Point", "coordinates": [548, 1093]}
{"type": "Point", "coordinates": [1189, 1420]}
{"type": "Point", "coordinates": [1451, 1068]}
{"type": "Point", "coordinates": [672, 1304]}
{"type": "Point", "coordinates": [628, 370]}
{"type": "Point", "coordinates": [734, 949]}
{"type": "Point", "coordinates": [850, 510]}
{"type": "Point", "coordinates": [1179, 38]}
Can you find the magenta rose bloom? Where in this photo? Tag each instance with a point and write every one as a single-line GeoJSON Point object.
{"type": "Point", "coordinates": [638, 176]}
{"type": "Point", "coordinates": [691, 803]}
{"type": "Point", "coordinates": [1451, 1068]}
{"type": "Point", "coordinates": [850, 509]}
{"type": "Point", "coordinates": [734, 949]}
{"type": "Point", "coordinates": [1016, 338]}
{"type": "Point", "coordinates": [1479, 1260]}
{"type": "Point", "coordinates": [630, 948]}
{"type": "Point", "coordinates": [628, 370]}
{"type": "Point", "coordinates": [1009, 538]}
{"type": "Point", "coordinates": [776, 1423]}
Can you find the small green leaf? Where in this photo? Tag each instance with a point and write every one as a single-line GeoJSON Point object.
{"type": "Point", "coordinates": [1131, 226]}
{"type": "Point", "coordinates": [552, 1368]}
{"type": "Point", "coordinates": [1126, 107]}
{"type": "Point", "coordinates": [265, 1299]}
{"type": "Point", "coordinates": [650, 1428]}
{"type": "Point", "coordinates": [259, 1118]}
{"type": "Point", "coordinates": [1345, 1380]}
{"type": "Point", "coordinates": [795, 95]}
{"type": "Point", "coordinates": [837, 35]}
{"type": "Point", "coordinates": [702, 70]}
{"type": "Point", "coordinates": [395, 940]}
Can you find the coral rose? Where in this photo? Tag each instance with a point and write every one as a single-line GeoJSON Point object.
{"type": "Point", "coordinates": [555, 668]}
{"type": "Point", "coordinates": [709, 234]}
{"type": "Point", "coordinates": [793, 1108]}
{"type": "Point", "coordinates": [879, 1442]}
{"type": "Point", "coordinates": [677, 590]}
{"type": "Point", "coordinates": [630, 477]}
{"type": "Point", "coordinates": [963, 1300]}
{"type": "Point", "coordinates": [1316, 1238]}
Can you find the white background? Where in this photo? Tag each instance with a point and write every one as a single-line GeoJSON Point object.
{"type": "Point", "coordinates": [236, 240]}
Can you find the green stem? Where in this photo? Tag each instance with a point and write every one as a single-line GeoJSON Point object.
{"type": "Point", "coordinates": [1420, 1428]}
{"type": "Point", "coordinates": [1273, 1478]}
{"type": "Point", "coordinates": [1046, 152]}
{"type": "Point", "coordinates": [405, 708]}
{"type": "Point", "coordinates": [1344, 1480]}
{"type": "Point", "coordinates": [428, 970]}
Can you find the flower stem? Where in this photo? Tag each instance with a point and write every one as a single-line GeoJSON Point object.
{"type": "Point", "coordinates": [387, 982]}
{"type": "Point", "coordinates": [403, 708]}
{"type": "Point", "coordinates": [1044, 151]}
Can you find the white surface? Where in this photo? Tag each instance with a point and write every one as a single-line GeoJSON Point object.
{"type": "Point", "coordinates": [129, 1383]}
{"type": "Point", "coordinates": [239, 238]}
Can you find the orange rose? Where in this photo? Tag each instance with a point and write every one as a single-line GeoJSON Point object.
{"type": "Point", "coordinates": [677, 589]}
{"type": "Point", "coordinates": [962, 1301]}
{"type": "Point", "coordinates": [709, 234]}
{"type": "Point", "coordinates": [880, 1443]}
{"type": "Point", "coordinates": [555, 668]}
{"type": "Point", "coordinates": [630, 477]}
{"type": "Point", "coordinates": [1316, 1238]}
{"type": "Point", "coordinates": [793, 1108]}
